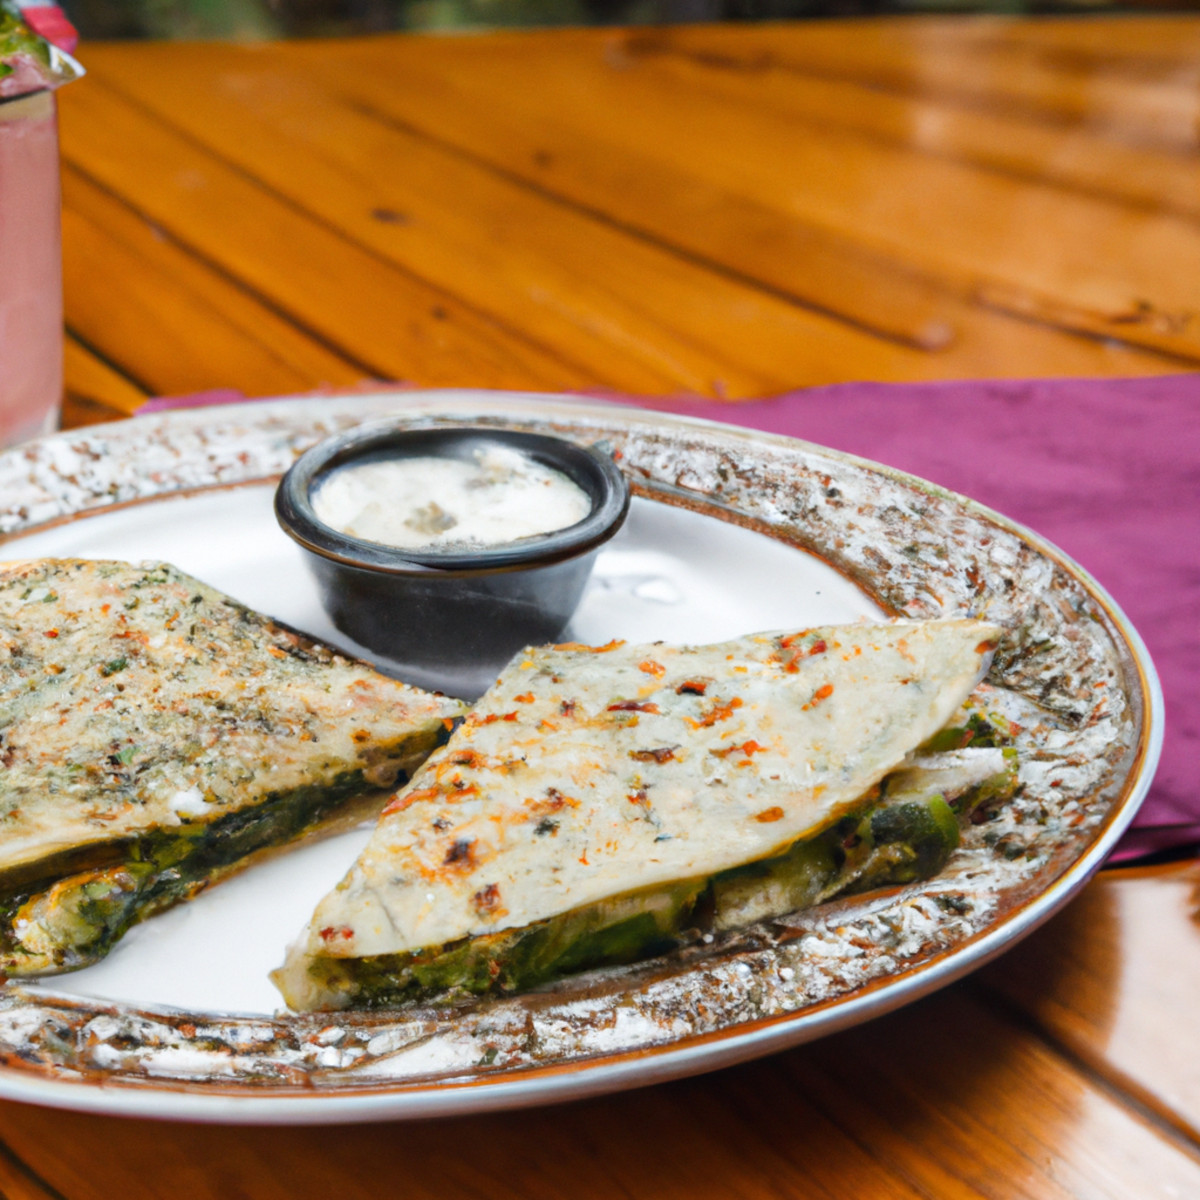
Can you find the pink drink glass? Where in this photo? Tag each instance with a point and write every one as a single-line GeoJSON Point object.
{"type": "Point", "coordinates": [31, 308]}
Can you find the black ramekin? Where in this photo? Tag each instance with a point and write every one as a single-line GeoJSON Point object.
{"type": "Point", "coordinates": [451, 619]}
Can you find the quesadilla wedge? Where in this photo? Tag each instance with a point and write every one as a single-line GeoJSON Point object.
{"type": "Point", "coordinates": [155, 735]}
{"type": "Point", "coordinates": [600, 805]}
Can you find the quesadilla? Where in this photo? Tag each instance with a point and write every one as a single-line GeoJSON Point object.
{"type": "Point", "coordinates": [603, 804]}
{"type": "Point", "coordinates": [155, 735]}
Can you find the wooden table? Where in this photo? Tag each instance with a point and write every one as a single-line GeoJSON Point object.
{"type": "Point", "coordinates": [726, 211]}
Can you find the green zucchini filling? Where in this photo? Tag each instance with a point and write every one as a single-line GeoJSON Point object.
{"type": "Point", "coordinates": [905, 831]}
{"type": "Point", "coordinates": [64, 922]}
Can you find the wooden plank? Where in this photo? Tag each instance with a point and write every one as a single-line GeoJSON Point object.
{"type": "Point", "coordinates": [1114, 980]}
{"type": "Point", "coordinates": [1010, 242]}
{"type": "Point", "coordinates": [1158, 44]}
{"type": "Point", "coordinates": [610, 297]}
{"type": "Point", "coordinates": [1082, 156]}
{"type": "Point", "coordinates": [387, 323]}
{"type": "Point", "coordinates": [17, 1182]}
{"type": "Point", "coordinates": [942, 1099]}
{"type": "Point", "coordinates": [288, 102]}
{"type": "Point", "coordinates": [945, 336]}
{"type": "Point", "coordinates": [961, 1102]}
{"type": "Point", "coordinates": [1139, 89]}
{"type": "Point", "coordinates": [175, 322]}
{"type": "Point", "coordinates": [95, 391]}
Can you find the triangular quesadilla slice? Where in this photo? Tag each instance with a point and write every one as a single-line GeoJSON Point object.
{"type": "Point", "coordinates": [156, 735]}
{"type": "Point", "coordinates": [602, 804]}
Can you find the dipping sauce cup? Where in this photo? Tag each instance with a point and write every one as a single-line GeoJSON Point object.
{"type": "Point", "coordinates": [450, 616]}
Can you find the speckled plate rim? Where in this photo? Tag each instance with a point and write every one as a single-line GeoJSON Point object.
{"type": "Point", "coordinates": [175, 1099]}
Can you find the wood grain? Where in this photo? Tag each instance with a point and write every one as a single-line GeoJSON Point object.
{"type": "Point", "coordinates": [1131, 81]}
{"type": "Point", "coordinates": [96, 391]}
{"type": "Point", "coordinates": [1015, 241]}
{"type": "Point", "coordinates": [639, 317]}
{"type": "Point", "coordinates": [170, 319]}
{"type": "Point", "coordinates": [730, 200]}
{"type": "Point", "coordinates": [1114, 980]}
{"type": "Point", "coordinates": [339, 295]}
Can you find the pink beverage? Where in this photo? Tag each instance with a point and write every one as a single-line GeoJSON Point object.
{"type": "Point", "coordinates": [31, 309]}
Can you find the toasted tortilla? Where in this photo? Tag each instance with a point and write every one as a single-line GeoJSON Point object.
{"type": "Point", "coordinates": [588, 773]}
{"type": "Point", "coordinates": [154, 733]}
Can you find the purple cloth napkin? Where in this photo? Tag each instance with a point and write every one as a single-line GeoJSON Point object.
{"type": "Point", "coordinates": [1108, 470]}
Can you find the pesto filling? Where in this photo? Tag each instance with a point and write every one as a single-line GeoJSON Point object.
{"type": "Point", "coordinates": [67, 922]}
{"type": "Point", "coordinates": [903, 832]}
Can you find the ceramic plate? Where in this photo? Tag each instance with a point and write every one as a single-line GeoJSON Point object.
{"type": "Point", "coordinates": [731, 532]}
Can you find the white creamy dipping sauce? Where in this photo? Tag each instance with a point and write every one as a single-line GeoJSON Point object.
{"type": "Point", "coordinates": [432, 503]}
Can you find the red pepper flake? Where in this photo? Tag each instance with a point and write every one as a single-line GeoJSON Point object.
{"type": "Point", "coordinates": [769, 814]}
{"type": "Point", "coordinates": [652, 668]}
{"type": "Point", "coordinates": [448, 722]}
{"type": "Point", "coordinates": [330, 932]}
{"type": "Point", "coordinates": [691, 687]}
{"type": "Point", "coordinates": [524, 698]}
{"type": "Point", "coordinates": [822, 693]}
{"type": "Point", "coordinates": [407, 799]}
{"type": "Point", "coordinates": [583, 859]}
{"type": "Point", "coordinates": [512, 716]}
{"type": "Point", "coordinates": [986, 647]}
{"type": "Point", "coordinates": [747, 748]}
{"type": "Point", "coordinates": [50, 633]}
{"type": "Point", "coordinates": [791, 664]}
{"type": "Point", "coordinates": [719, 712]}
{"type": "Point", "coordinates": [360, 735]}
{"type": "Point", "coordinates": [633, 706]}
{"type": "Point", "coordinates": [639, 798]}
